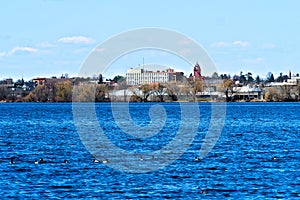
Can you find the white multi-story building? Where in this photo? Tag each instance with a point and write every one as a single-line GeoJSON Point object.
{"type": "Point", "coordinates": [293, 81]}
{"type": "Point", "coordinates": [139, 76]}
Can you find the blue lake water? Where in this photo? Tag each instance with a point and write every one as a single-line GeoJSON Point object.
{"type": "Point", "coordinates": [241, 165]}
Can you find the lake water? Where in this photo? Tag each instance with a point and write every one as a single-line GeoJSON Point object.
{"type": "Point", "coordinates": [241, 164]}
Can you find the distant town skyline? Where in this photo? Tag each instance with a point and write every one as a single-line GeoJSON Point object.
{"type": "Point", "coordinates": [112, 76]}
{"type": "Point", "coordinates": [53, 37]}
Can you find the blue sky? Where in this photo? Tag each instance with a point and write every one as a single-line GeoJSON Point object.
{"type": "Point", "coordinates": [51, 37]}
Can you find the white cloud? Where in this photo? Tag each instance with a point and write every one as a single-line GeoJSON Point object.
{"type": "Point", "coordinates": [2, 54]}
{"type": "Point", "coordinates": [76, 40]}
{"type": "Point", "coordinates": [253, 61]}
{"type": "Point", "coordinates": [240, 43]}
{"type": "Point", "coordinates": [46, 45]}
{"type": "Point", "coordinates": [220, 44]}
{"type": "Point", "coordinates": [22, 49]}
{"type": "Point", "coordinates": [231, 44]}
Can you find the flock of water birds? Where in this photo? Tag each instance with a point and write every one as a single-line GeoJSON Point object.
{"type": "Point", "coordinates": [42, 161]}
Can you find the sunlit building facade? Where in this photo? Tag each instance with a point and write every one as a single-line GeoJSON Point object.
{"type": "Point", "coordinates": [140, 76]}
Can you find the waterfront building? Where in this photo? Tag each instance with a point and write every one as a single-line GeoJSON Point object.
{"type": "Point", "coordinates": [247, 92]}
{"type": "Point", "coordinates": [51, 81]}
{"type": "Point", "coordinates": [197, 73]}
{"type": "Point", "coordinates": [144, 75]}
{"type": "Point", "coordinates": [197, 70]}
{"type": "Point", "coordinates": [292, 81]}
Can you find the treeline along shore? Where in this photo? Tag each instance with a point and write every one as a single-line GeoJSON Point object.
{"type": "Point", "coordinates": [213, 89]}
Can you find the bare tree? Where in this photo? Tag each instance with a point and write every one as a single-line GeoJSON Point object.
{"type": "Point", "coordinates": [285, 93]}
{"type": "Point", "coordinates": [228, 89]}
{"type": "Point", "coordinates": [196, 86]}
{"type": "Point", "coordinates": [3, 93]}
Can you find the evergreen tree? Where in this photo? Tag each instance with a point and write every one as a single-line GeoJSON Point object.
{"type": "Point", "coordinates": [100, 79]}
{"type": "Point", "coordinates": [270, 77]}
{"type": "Point", "coordinates": [257, 80]}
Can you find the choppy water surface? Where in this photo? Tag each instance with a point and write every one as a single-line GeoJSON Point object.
{"type": "Point", "coordinates": [241, 165]}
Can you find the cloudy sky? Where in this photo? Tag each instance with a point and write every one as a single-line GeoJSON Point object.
{"type": "Point", "coordinates": [51, 37]}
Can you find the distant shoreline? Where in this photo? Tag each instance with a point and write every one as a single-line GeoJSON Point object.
{"type": "Point", "coordinates": [49, 102]}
